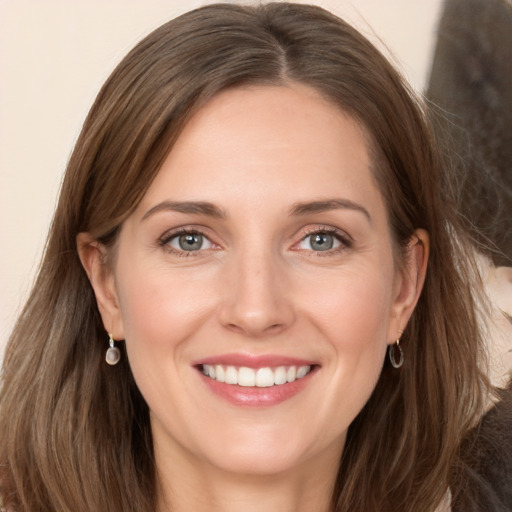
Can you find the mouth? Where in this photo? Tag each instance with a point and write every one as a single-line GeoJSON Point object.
{"type": "Point", "coordinates": [264, 377]}
{"type": "Point", "coordinates": [256, 381]}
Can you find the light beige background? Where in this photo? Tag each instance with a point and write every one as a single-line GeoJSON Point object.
{"type": "Point", "coordinates": [54, 56]}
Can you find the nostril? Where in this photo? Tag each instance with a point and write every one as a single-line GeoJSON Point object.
{"type": "Point", "coordinates": [274, 327]}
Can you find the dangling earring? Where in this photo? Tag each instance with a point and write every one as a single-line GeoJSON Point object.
{"type": "Point", "coordinates": [391, 354]}
{"type": "Point", "coordinates": [113, 354]}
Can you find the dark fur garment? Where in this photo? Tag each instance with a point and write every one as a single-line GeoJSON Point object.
{"type": "Point", "coordinates": [485, 481]}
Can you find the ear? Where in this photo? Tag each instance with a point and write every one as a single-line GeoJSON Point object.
{"type": "Point", "coordinates": [409, 283]}
{"type": "Point", "coordinates": [93, 256]}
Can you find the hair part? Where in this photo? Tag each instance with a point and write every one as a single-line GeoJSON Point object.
{"type": "Point", "coordinates": [74, 433]}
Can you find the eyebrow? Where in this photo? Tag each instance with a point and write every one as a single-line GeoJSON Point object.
{"type": "Point", "coordinates": [298, 209]}
{"type": "Point", "coordinates": [193, 207]}
{"type": "Point", "coordinates": [326, 205]}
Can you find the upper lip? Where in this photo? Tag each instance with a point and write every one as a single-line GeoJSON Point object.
{"type": "Point", "coordinates": [253, 361]}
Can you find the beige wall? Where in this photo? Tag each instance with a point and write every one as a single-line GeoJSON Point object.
{"type": "Point", "coordinates": [55, 54]}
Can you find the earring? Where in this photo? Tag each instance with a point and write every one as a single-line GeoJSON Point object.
{"type": "Point", "coordinates": [113, 354]}
{"type": "Point", "coordinates": [391, 354]}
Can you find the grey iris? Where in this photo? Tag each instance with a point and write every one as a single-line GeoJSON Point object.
{"type": "Point", "coordinates": [321, 241]}
{"type": "Point", "coordinates": [191, 241]}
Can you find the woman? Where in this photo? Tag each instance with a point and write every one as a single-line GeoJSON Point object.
{"type": "Point", "coordinates": [243, 231]}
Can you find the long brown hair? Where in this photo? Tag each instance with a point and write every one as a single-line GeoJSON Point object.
{"type": "Point", "coordinates": [75, 433]}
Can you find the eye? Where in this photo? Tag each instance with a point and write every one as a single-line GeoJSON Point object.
{"type": "Point", "coordinates": [188, 241]}
{"type": "Point", "coordinates": [319, 242]}
{"type": "Point", "coordinates": [323, 241]}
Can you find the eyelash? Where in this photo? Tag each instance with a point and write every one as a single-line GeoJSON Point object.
{"type": "Point", "coordinates": [345, 241]}
{"type": "Point", "coordinates": [165, 240]}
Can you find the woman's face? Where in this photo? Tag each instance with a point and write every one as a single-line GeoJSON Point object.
{"type": "Point", "coordinates": [260, 255]}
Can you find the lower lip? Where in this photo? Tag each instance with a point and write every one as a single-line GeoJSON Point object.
{"type": "Point", "coordinates": [257, 397]}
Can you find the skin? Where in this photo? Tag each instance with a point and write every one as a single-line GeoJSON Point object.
{"type": "Point", "coordinates": [257, 286]}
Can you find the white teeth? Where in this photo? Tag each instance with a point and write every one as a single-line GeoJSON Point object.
{"type": "Point", "coordinates": [280, 375]}
{"type": "Point", "coordinates": [249, 377]}
{"type": "Point", "coordinates": [302, 371]}
{"type": "Point", "coordinates": [231, 376]}
{"type": "Point", "coordinates": [220, 374]}
{"type": "Point", "coordinates": [246, 377]}
{"type": "Point", "coordinates": [264, 378]}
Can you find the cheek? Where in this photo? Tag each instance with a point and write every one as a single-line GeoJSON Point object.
{"type": "Point", "coordinates": [158, 306]}
{"type": "Point", "coordinates": [353, 309]}
{"type": "Point", "coordinates": [353, 318]}
{"type": "Point", "coordinates": [358, 348]}
{"type": "Point", "coordinates": [159, 314]}
{"type": "Point", "coordinates": [357, 333]}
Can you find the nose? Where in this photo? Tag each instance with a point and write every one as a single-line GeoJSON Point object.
{"type": "Point", "coordinates": [256, 300]}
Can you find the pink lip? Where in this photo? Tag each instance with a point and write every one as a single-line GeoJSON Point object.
{"type": "Point", "coordinates": [250, 361]}
{"type": "Point", "coordinates": [254, 396]}
{"type": "Point", "coordinates": [257, 397]}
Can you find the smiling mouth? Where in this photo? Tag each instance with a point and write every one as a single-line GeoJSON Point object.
{"type": "Point", "coordinates": [255, 377]}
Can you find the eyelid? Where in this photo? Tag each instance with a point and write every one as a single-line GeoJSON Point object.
{"type": "Point", "coordinates": [163, 240]}
{"type": "Point", "coordinates": [343, 237]}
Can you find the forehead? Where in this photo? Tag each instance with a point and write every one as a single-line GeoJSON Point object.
{"type": "Point", "coordinates": [265, 143]}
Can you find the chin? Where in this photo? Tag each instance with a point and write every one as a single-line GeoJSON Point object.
{"type": "Point", "coordinates": [257, 462]}
{"type": "Point", "coordinates": [268, 452]}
